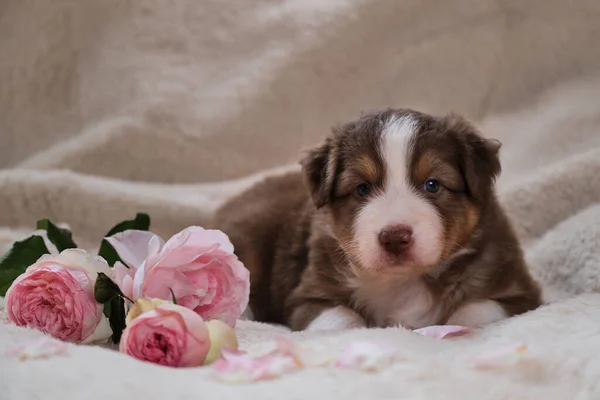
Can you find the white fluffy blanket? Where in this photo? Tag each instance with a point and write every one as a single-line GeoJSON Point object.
{"type": "Point", "coordinates": [108, 108]}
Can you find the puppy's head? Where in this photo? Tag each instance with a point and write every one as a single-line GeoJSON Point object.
{"type": "Point", "coordinates": [403, 190]}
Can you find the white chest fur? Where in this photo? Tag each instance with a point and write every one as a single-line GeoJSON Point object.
{"type": "Point", "coordinates": [396, 301]}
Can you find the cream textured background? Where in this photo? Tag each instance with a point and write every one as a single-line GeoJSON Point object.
{"type": "Point", "coordinates": [112, 107]}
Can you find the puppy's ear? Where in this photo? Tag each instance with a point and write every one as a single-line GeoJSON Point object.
{"type": "Point", "coordinates": [481, 162]}
{"type": "Point", "coordinates": [482, 165]}
{"type": "Point", "coordinates": [318, 167]}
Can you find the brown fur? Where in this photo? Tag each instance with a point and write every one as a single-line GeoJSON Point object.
{"type": "Point", "coordinates": [294, 232]}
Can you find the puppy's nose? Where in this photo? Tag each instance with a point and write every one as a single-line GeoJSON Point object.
{"type": "Point", "coordinates": [396, 239]}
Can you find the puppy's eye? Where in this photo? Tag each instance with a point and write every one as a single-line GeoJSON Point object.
{"type": "Point", "coordinates": [363, 189]}
{"type": "Point", "coordinates": [432, 186]}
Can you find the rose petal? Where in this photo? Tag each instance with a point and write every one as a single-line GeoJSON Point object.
{"type": "Point", "coordinates": [182, 256]}
{"type": "Point", "coordinates": [164, 280]}
{"type": "Point", "coordinates": [285, 347]}
{"type": "Point", "coordinates": [443, 331]}
{"type": "Point", "coordinates": [197, 236]}
{"type": "Point", "coordinates": [138, 281]}
{"type": "Point", "coordinates": [155, 245]}
{"type": "Point", "coordinates": [196, 326]}
{"type": "Point", "coordinates": [74, 258]}
{"type": "Point", "coordinates": [123, 277]}
{"type": "Point", "coordinates": [191, 243]}
{"type": "Point", "coordinates": [500, 358]}
{"type": "Point", "coordinates": [366, 356]}
{"type": "Point", "coordinates": [42, 347]}
{"type": "Point", "coordinates": [134, 246]}
{"type": "Point", "coordinates": [101, 334]}
{"type": "Point", "coordinates": [303, 357]}
{"type": "Point", "coordinates": [227, 292]}
{"type": "Point", "coordinates": [238, 367]}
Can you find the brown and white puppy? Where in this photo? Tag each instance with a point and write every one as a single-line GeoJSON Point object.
{"type": "Point", "coordinates": [393, 221]}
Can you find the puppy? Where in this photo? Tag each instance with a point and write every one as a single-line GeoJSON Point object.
{"type": "Point", "coordinates": [392, 221]}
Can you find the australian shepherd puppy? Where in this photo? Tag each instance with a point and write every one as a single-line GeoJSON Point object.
{"type": "Point", "coordinates": [393, 221]}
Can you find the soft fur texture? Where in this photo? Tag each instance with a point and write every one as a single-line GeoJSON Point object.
{"type": "Point", "coordinates": [113, 107]}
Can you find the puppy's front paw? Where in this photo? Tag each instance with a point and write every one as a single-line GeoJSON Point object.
{"type": "Point", "coordinates": [336, 318]}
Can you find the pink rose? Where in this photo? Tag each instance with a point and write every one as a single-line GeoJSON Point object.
{"type": "Point", "coordinates": [169, 335]}
{"type": "Point", "coordinates": [56, 296]}
{"type": "Point", "coordinates": [197, 265]}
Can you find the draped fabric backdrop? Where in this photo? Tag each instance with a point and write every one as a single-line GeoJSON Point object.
{"type": "Point", "coordinates": [108, 108]}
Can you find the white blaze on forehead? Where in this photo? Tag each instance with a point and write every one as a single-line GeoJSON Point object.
{"type": "Point", "coordinates": [399, 203]}
{"type": "Point", "coordinates": [396, 140]}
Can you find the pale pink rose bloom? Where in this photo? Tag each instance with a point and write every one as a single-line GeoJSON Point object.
{"type": "Point", "coordinates": [198, 265]}
{"type": "Point", "coordinates": [133, 247]}
{"type": "Point", "coordinates": [169, 335]}
{"type": "Point", "coordinates": [55, 295]}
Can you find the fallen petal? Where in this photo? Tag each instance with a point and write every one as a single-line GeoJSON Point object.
{"type": "Point", "coordinates": [317, 357]}
{"type": "Point", "coordinates": [503, 357]}
{"type": "Point", "coordinates": [286, 348]}
{"type": "Point", "coordinates": [42, 347]}
{"type": "Point", "coordinates": [366, 356]}
{"type": "Point", "coordinates": [443, 331]}
{"type": "Point", "coordinates": [239, 367]}
{"type": "Point", "coordinates": [302, 356]}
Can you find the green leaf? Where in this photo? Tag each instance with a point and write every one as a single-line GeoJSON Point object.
{"type": "Point", "coordinates": [141, 222]}
{"type": "Point", "coordinates": [105, 289]}
{"type": "Point", "coordinates": [173, 296]}
{"type": "Point", "coordinates": [114, 310]}
{"type": "Point", "coordinates": [108, 293]}
{"type": "Point", "coordinates": [62, 238]}
{"type": "Point", "coordinates": [21, 255]}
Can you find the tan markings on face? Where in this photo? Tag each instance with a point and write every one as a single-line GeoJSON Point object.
{"type": "Point", "coordinates": [368, 168]}
{"type": "Point", "coordinates": [460, 215]}
{"type": "Point", "coordinates": [459, 228]}
{"type": "Point", "coordinates": [425, 165]}
{"type": "Point", "coordinates": [432, 166]}
{"type": "Point", "coordinates": [472, 220]}
{"type": "Point", "coordinates": [358, 167]}
{"type": "Point", "coordinates": [451, 239]}
{"type": "Point", "coordinates": [362, 169]}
